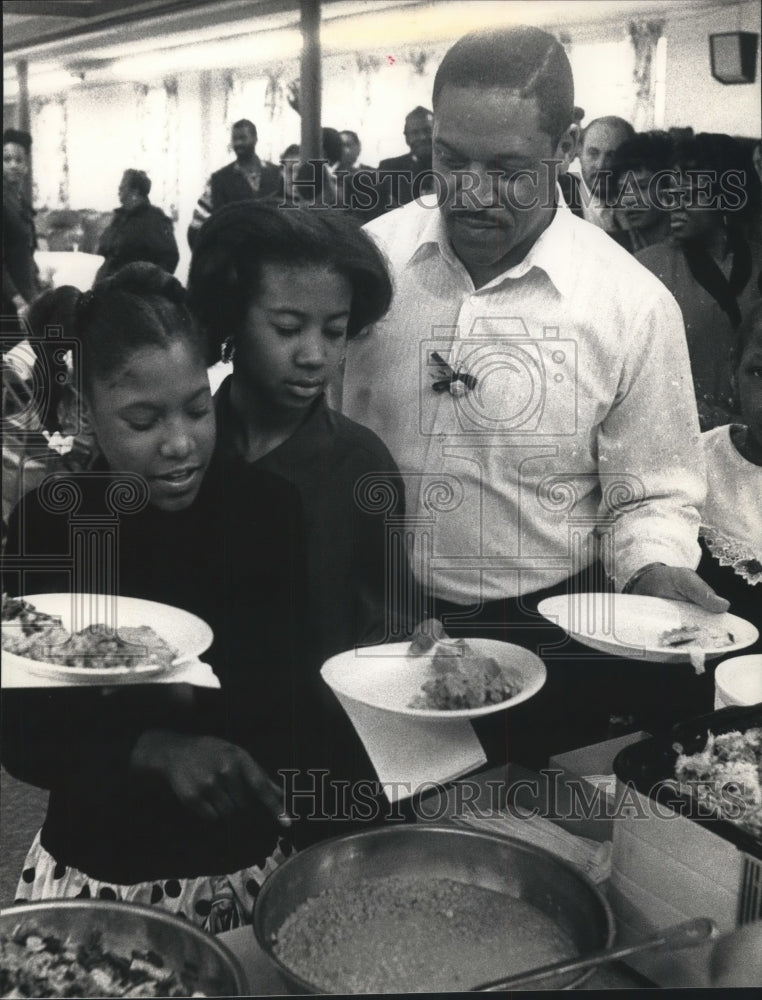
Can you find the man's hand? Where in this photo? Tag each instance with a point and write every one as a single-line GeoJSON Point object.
{"type": "Point", "coordinates": [214, 779]}
{"type": "Point", "coordinates": [679, 584]}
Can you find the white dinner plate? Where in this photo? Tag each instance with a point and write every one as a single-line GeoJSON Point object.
{"type": "Point", "coordinates": [181, 630]}
{"type": "Point", "coordinates": [630, 626]}
{"type": "Point", "coordinates": [386, 677]}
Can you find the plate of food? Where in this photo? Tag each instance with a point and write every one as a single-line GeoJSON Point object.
{"type": "Point", "coordinates": [648, 628]}
{"type": "Point", "coordinates": [94, 638]}
{"type": "Point", "coordinates": [435, 677]}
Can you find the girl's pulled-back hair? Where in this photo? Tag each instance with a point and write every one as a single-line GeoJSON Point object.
{"type": "Point", "coordinates": [234, 244]}
{"type": "Point", "coordinates": [139, 306]}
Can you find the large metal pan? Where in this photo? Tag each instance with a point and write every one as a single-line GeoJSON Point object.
{"type": "Point", "coordinates": [499, 863]}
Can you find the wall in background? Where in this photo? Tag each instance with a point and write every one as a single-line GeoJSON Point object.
{"type": "Point", "coordinates": [692, 95]}
{"type": "Point", "coordinates": [111, 126]}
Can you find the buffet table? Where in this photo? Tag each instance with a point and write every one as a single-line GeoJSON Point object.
{"type": "Point", "coordinates": [263, 978]}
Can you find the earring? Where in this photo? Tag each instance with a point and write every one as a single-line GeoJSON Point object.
{"type": "Point", "coordinates": [228, 350]}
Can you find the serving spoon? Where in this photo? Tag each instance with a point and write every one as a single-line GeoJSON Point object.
{"type": "Point", "coordinates": [686, 935]}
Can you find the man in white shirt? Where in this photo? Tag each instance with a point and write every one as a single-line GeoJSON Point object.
{"type": "Point", "coordinates": [531, 379]}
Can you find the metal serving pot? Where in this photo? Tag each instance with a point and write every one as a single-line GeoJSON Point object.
{"type": "Point", "coordinates": [200, 958]}
{"type": "Point", "coordinates": [506, 865]}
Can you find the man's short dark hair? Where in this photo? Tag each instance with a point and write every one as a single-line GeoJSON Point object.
{"type": "Point", "coordinates": [245, 123]}
{"type": "Point", "coordinates": [138, 181]}
{"type": "Point", "coordinates": [524, 59]}
{"type": "Point", "coordinates": [353, 135]}
{"type": "Point", "coordinates": [419, 112]}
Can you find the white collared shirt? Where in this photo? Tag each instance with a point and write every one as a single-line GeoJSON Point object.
{"type": "Point", "coordinates": [581, 434]}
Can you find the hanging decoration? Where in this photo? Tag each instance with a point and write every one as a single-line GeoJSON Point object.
{"type": "Point", "coordinates": [417, 58]}
{"type": "Point", "coordinates": [644, 36]}
{"type": "Point", "coordinates": [171, 158]}
{"type": "Point", "coordinates": [274, 94]}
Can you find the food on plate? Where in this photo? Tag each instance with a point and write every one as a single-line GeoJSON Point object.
{"type": "Point", "coordinates": [36, 964]}
{"type": "Point", "coordinates": [426, 636]}
{"type": "Point", "coordinates": [726, 776]}
{"type": "Point", "coordinates": [461, 677]}
{"type": "Point", "coordinates": [29, 627]}
{"type": "Point", "coordinates": [403, 934]}
{"type": "Point", "coordinates": [694, 640]}
{"type": "Point", "coordinates": [696, 635]}
{"type": "Point", "coordinates": [39, 636]}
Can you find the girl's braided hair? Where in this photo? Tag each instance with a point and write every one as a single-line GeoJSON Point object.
{"type": "Point", "coordinates": [139, 306]}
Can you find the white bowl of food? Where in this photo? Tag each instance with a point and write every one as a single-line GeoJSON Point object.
{"type": "Point", "coordinates": [437, 678]}
{"type": "Point", "coordinates": [95, 637]}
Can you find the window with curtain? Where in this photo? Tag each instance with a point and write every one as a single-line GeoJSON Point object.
{"type": "Point", "coordinates": [158, 122]}
{"type": "Point", "coordinates": [50, 151]}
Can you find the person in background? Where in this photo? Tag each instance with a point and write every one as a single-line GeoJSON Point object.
{"type": "Point", "coordinates": [357, 182]}
{"type": "Point", "coordinates": [312, 184]}
{"type": "Point", "coordinates": [160, 794]}
{"type": "Point", "coordinates": [289, 165]}
{"type": "Point", "coordinates": [21, 281]}
{"type": "Point", "coordinates": [477, 288]}
{"type": "Point", "coordinates": [598, 144]}
{"type": "Point", "coordinates": [708, 263]}
{"type": "Point", "coordinates": [730, 537]}
{"type": "Point", "coordinates": [403, 178]}
{"type": "Point", "coordinates": [350, 152]}
{"type": "Point", "coordinates": [640, 213]}
{"type": "Point", "coordinates": [245, 178]}
{"type": "Point", "coordinates": [731, 518]}
{"type": "Point", "coordinates": [332, 147]}
{"type": "Point", "coordinates": [139, 231]}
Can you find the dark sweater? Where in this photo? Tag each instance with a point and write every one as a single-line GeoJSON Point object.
{"type": "Point", "coordinates": [140, 233]}
{"type": "Point", "coordinates": [235, 559]}
{"type": "Point", "coordinates": [325, 459]}
{"type": "Point", "coordinates": [347, 533]}
{"type": "Point", "coordinates": [229, 184]}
